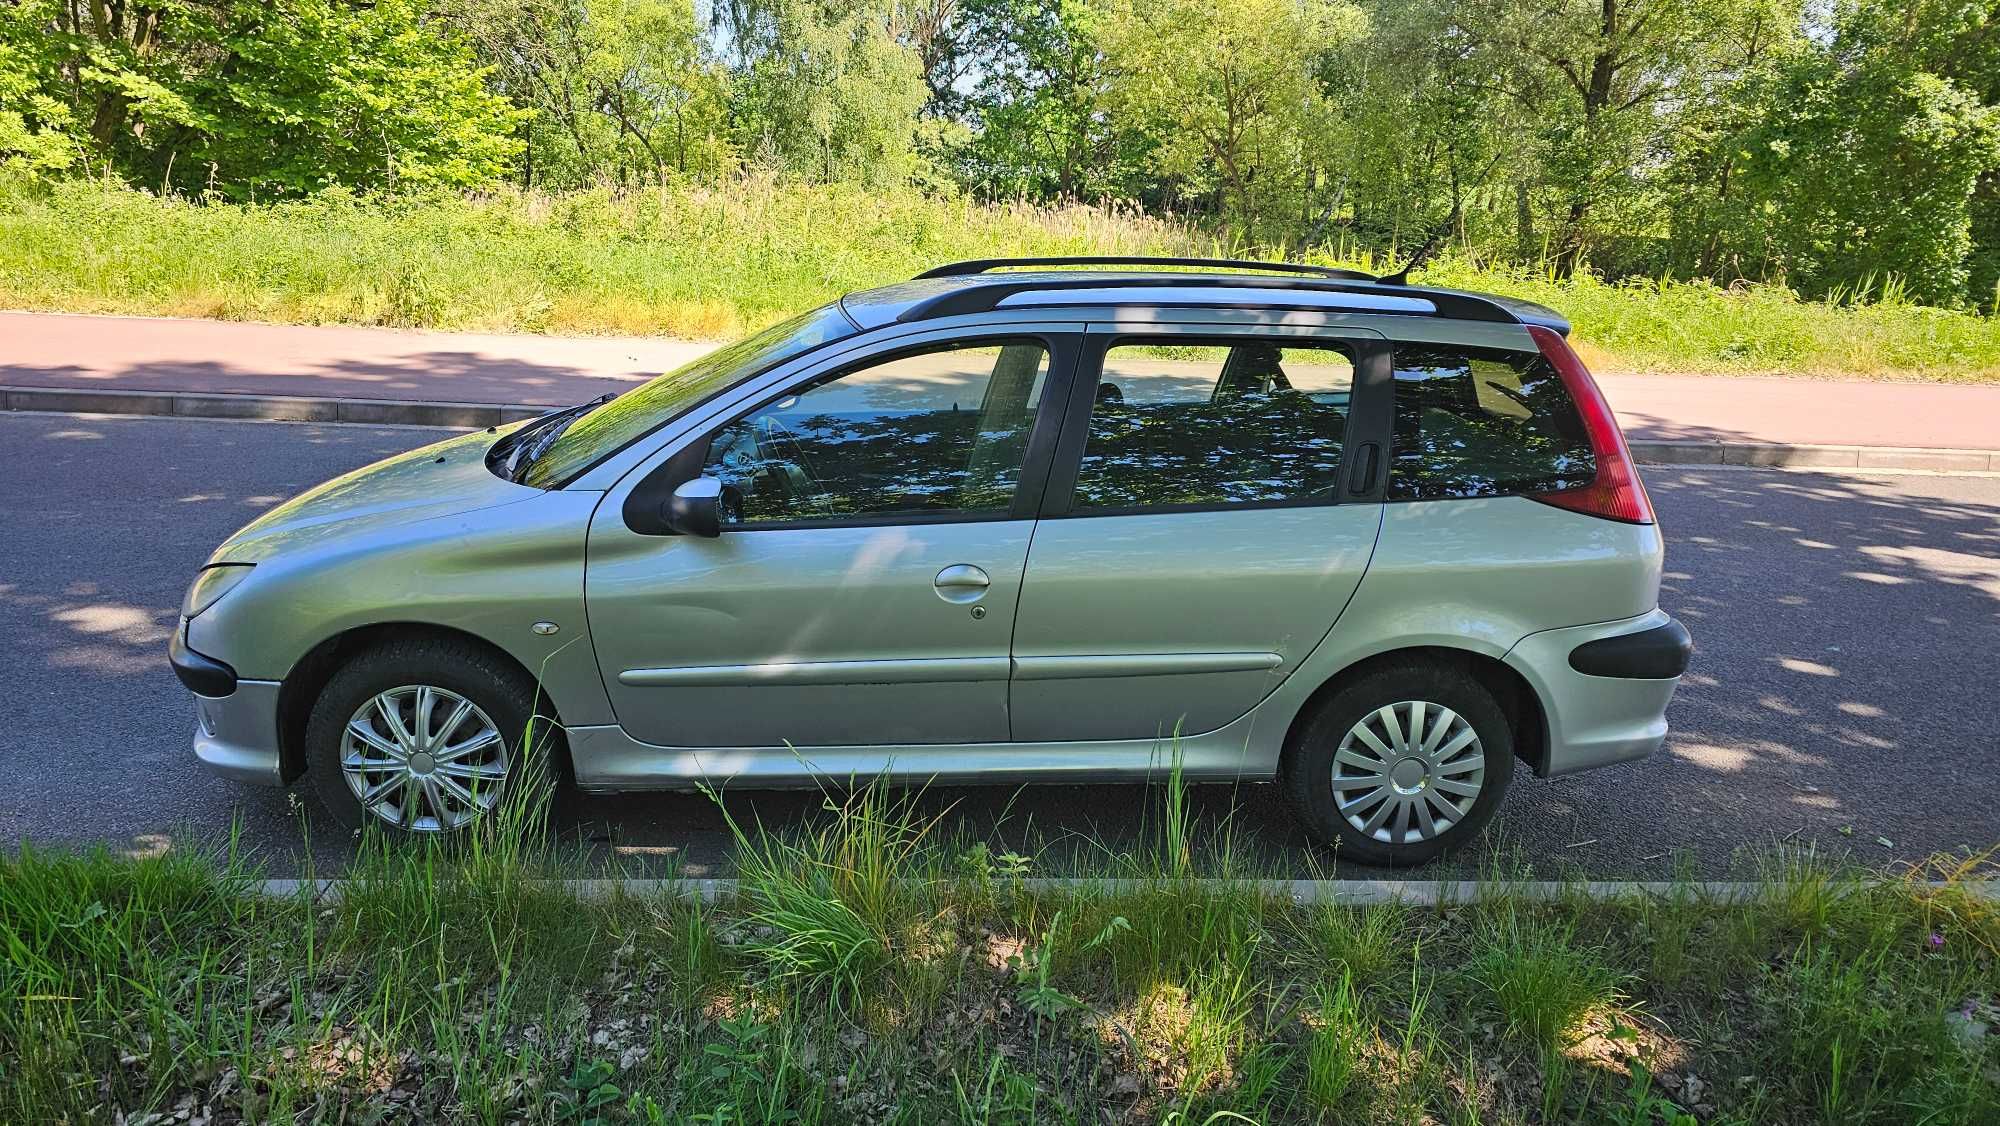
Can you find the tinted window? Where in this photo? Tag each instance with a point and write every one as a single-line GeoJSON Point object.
{"type": "Point", "coordinates": [1215, 425]}
{"type": "Point", "coordinates": [939, 431]}
{"type": "Point", "coordinates": [1474, 422]}
{"type": "Point", "coordinates": [636, 412]}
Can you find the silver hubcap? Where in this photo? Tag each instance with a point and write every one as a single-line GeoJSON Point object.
{"type": "Point", "coordinates": [1408, 772]}
{"type": "Point", "coordinates": [423, 758]}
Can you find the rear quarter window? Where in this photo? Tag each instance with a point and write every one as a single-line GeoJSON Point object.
{"type": "Point", "coordinates": [1480, 422]}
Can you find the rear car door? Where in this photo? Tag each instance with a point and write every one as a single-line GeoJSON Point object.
{"type": "Point", "coordinates": [1214, 500]}
{"type": "Point", "coordinates": [877, 515]}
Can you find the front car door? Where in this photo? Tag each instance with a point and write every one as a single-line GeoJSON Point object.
{"type": "Point", "coordinates": [877, 515]}
{"type": "Point", "coordinates": [1213, 504]}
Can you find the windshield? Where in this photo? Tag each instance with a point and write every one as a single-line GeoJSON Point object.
{"type": "Point", "coordinates": [638, 412]}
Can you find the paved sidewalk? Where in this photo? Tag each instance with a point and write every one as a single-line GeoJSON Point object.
{"type": "Point", "coordinates": [213, 357]}
{"type": "Point", "coordinates": [165, 354]}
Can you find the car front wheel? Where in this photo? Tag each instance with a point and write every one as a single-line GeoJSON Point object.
{"type": "Point", "coordinates": [421, 737]}
{"type": "Point", "coordinates": [1402, 765]}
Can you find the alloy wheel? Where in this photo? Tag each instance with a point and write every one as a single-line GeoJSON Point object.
{"type": "Point", "coordinates": [423, 758]}
{"type": "Point", "coordinates": [1407, 772]}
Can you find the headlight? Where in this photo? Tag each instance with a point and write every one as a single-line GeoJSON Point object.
{"type": "Point", "coordinates": [212, 584]}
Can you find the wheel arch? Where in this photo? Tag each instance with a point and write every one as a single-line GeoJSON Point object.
{"type": "Point", "coordinates": [1526, 713]}
{"type": "Point", "coordinates": [308, 677]}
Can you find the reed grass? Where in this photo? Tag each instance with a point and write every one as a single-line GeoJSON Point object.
{"type": "Point", "coordinates": [714, 262]}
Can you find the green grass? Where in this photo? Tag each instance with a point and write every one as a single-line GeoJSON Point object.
{"type": "Point", "coordinates": [882, 966]}
{"type": "Point", "coordinates": [710, 263]}
{"type": "Point", "coordinates": [1539, 977]}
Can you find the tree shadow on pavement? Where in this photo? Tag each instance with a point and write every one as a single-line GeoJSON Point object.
{"type": "Point", "coordinates": [454, 376]}
{"type": "Point", "coordinates": [1846, 631]}
{"type": "Point", "coordinates": [1842, 691]}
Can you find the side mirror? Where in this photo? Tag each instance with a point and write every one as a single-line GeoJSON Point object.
{"type": "Point", "coordinates": [695, 509]}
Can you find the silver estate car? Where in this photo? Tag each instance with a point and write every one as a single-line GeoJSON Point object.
{"type": "Point", "coordinates": [1040, 520]}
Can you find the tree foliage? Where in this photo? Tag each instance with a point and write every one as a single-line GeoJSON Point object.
{"type": "Point", "coordinates": [827, 87]}
{"type": "Point", "coordinates": [250, 99]}
{"type": "Point", "coordinates": [612, 89]}
{"type": "Point", "coordinates": [1841, 147]}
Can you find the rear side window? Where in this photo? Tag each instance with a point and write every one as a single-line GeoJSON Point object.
{"type": "Point", "coordinates": [1478, 422]}
{"type": "Point", "coordinates": [1247, 423]}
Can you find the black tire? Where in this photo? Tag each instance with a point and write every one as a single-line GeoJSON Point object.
{"type": "Point", "coordinates": [495, 685]}
{"type": "Point", "coordinates": [1307, 772]}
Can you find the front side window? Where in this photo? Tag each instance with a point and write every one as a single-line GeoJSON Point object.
{"type": "Point", "coordinates": [939, 431]}
{"type": "Point", "coordinates": [1478, 422]}
{"type": "Point", "coordinates": [638, 412]}
{"type": "Point", "coordinates": [1256, 422]}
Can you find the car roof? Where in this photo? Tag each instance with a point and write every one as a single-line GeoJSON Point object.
{"type": "Point", "coordinates": [988, 284]}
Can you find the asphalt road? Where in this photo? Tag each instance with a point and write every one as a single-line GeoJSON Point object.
{"type": "Point", "coordinates": [1843, 691]}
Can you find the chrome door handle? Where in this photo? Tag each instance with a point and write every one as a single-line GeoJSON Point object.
{"type": "Point", "coordinates": [961, 583]}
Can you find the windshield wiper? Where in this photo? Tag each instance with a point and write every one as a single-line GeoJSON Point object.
{"type": "Point", "coordinates": [532, 440]}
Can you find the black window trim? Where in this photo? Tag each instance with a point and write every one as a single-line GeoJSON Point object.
{"type": "Point", "coordinates": [1370, 419]}
{"type": "Point", "coordinates": [805, 356]}
{"type": "Point", "coordinates": [1389, 441]}
{"type": "Point", "coordinates": [1063, 348]}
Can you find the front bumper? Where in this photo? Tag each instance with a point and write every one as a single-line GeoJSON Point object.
{"type": "Point", "coordinates": [1598, 720]}
{"type": "Point", "coordinates": [237, 736]}
{"type": "Point", "coordinates": [235, 722]}
{"type": "Point", "coordinates": [199, 673]}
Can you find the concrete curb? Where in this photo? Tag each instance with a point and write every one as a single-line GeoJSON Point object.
{"type": "Point", "coordinates": [277, 408]}
{"type": "Point", "coordinates": [1421, 893]}
{"type": "Point", "coordinates": [474, 416]}
{"type": "Point", "coordinates": [1775, 455]}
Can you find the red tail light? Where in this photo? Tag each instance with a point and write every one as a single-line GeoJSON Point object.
{"type": "Point", "coordinates": [1617, 493]}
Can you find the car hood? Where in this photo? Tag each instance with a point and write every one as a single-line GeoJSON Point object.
{"type": "Point", "coordinates": [443, 479]}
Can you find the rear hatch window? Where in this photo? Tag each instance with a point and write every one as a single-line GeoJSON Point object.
{"type": "Point", "coordinates": [1481, 422]}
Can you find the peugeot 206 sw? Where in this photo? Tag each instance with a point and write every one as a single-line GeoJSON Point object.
{"type": "Point", "coordinates": [1010, 521]}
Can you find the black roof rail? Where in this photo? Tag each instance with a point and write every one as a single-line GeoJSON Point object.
{"type": "Point", "coordinates": [983, 298]}
{"type": "Point", "coordinates": [987, 265]}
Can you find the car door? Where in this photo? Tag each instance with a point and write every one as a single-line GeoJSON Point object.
{"type": "Point", "coordinates": [1214, 500]}
{"type": "Point", "coordinates": [862, 589]}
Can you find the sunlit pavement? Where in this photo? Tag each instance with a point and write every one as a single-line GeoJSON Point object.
{"type": "Point", "coordinates": [1843, 692]}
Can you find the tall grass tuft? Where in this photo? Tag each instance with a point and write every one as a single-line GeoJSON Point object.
{"type": "Point", "coordinates": [715, 262]}
{"type": "Point", "coordinates": [1338, 1034]}
{"type": "Point", "coordinates": [105, 959]}
{"type": "Point", "coordinates": [1539, 978]}
{"type": "Point", "coordinates": [831, 905]}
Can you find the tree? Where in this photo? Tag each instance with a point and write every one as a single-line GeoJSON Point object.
{"type": "Point", "coordinates": [40, 131]}
{"type": "Point", "coordinates": [251, 99]}
{"type": "Point", "coordinates": [1037, 114]}
{"type": "Point", "coordinates": [1865, 165]}
{"type": "Point", "coordinates": [826, 88]}
{"type": "Point", "coordinates": [1227, 89]}
{"type": "Point", "coordinates": [617, 89]}
{"type": "Point", "coordinates": [1604, 80]}
{"type": "Point", "coordinates": [1422, 130]}
{"type": "Point", "coordinates": [1716, 228]}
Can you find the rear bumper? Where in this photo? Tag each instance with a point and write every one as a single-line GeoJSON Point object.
{"type": "Point", "coordinates": [1659, 653]}
{"type": "Point", "coordinates": [1597, 715]}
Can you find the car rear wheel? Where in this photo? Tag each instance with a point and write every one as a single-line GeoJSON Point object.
{"type": "Point", "coordinates": [425, 736]}
{"type": "Point", "coordinates": [1402, 765]}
